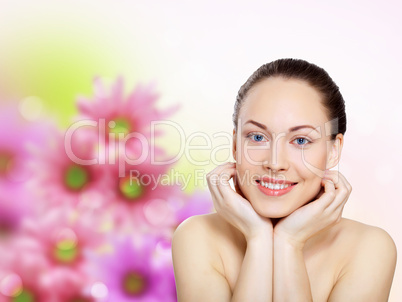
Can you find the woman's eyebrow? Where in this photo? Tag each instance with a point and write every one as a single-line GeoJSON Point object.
{"type": "Point", "coordinates": [262, 126]}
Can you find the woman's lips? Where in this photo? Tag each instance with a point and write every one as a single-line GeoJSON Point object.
{"type": "Point", "coordinates": [276, 191]}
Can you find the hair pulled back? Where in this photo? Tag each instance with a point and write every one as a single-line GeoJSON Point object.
{"type": "Point", "coordinates": [312, 74]}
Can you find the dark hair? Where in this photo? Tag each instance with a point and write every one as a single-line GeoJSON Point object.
{"type": "Point", "coordinates": [315, 76]}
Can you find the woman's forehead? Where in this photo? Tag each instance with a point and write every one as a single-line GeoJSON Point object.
{"type": "Point", "coordinates": [283, 101]}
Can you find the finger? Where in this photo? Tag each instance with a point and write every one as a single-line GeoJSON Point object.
{"type": "Point", "coordinates": [226, 190]}
{"type": "Point", "coordinates": [219, 184]}
{"type": "Point", "coordinates": [346, 198]}
{"type": "Point", "coordinates": [215, 193]}
{"type": "Point", "coordinates": [213, 181]}
{"type": "Point", "coordinates": [342, 186]}
{"type": "Point", "coordinates": [338, 179]}
{"type": "Point", "coordinates": [345, 181]}
{"type": "Point", "coordinates": [329, 193]}
{"type": "Point", "coordinates": [213, 177]}
{"type": "Point", "coordinates": [342, 194]}
{"type": "Point", "coordinates": [332, 175]}
{"type": "Point", "coordinates": [219, 168]}
{"type": "Point", "coordinates": [224, 186]}
{"type": "Point", "coordinates": [237, 185]}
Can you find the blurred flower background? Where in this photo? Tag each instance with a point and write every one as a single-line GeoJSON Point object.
{"type": "Point", "coordinates": [112, 112]}
{"type": "Point", "coordinates": [76, 226]}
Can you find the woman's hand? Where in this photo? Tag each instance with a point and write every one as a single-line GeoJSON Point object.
{"type": "Point", "coordinates": [311, 218]}
{"type": "Point", "coordinates": [233, 206]}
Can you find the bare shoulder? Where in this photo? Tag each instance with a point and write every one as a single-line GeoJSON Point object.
{"type": "Point", "coordinates": [199, 227]}
{"type": "Point", "coordinates": [203, 233]}
{"type": "Point", "coordinates": [365, 236]}
{"type": "Point", "coordinates": [198, 239]}
{"type": "Point", "coordinates": [192, 234]}
{"type": "Point", "coordinates": [370, 255]}
{"type": "Point", "coordinates": [196, 260]}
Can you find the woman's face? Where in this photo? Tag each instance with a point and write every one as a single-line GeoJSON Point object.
{"type": "Point", "coordinates": [283, 136]}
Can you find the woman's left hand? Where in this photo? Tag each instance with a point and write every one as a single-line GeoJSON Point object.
{"type": "Point", "coordinates": [311, 218]}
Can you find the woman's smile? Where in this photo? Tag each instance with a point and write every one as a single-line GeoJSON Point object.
{"type": "Point", "coordinates": [275, 187]}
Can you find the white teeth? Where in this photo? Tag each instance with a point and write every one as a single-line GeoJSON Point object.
{"type": "Point", "coordinates": [274, 186]}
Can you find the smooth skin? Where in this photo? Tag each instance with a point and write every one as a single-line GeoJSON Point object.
{"type": "Point", "coordinates": [296, 247]}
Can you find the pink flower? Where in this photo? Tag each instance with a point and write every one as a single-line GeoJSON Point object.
{"type": "Point", "coordinates": [49, 256]}
{"type": "Point", "coordinates": [23, 262]}
{"type": "Point", "coordinates": [121, 118]}
{"type": "Point", "coordinates": [14, 208]}
{"type": "Point", "coordinates": [28, 275]}
{"type": "Point", "coordinates": [63, 174]}
{"type": "Point", "coordinates": [140, 200]}
{"type": "Point", "coordinates": [64, 235]}
{"type": "Point", "coordinates": [18, 139]}
{"type": "Point", "coordinates": [132, 273]}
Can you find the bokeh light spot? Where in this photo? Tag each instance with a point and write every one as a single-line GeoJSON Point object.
{"type": "Point", "coordinates": [99, 290]}
{"type": "Point", "coordinates": [157, 212]}
{"type": "Point", "coordinates": [31, 108]}
{"type": "Point", "coordinates": [11, 285]}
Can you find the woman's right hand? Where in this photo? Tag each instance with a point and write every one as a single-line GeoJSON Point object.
{"type": "Point", "coordinates": [233, 206]}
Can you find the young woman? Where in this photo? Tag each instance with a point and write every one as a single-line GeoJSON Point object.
{"type": "Point", "coordinates": [280, 235]}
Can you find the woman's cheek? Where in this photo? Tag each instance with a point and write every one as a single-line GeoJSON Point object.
{"type": "Point", "coordinates": [254, 158]}
{"type": "Point", "coordinates": [312, 163]}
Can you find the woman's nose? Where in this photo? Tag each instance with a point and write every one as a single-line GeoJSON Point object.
{"type": "Point", "coordinates": [276, 158]}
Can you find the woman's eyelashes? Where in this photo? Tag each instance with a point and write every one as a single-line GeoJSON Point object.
{"type": "Point", "coordinates": [258, 137]}
{"type": "Point", "coordinates": [299, 141]}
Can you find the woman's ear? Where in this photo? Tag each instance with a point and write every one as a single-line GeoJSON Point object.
{"type": "Point", "coordinates": [234, 144]}
{"type": "Point", "coordinates": [335, 150]}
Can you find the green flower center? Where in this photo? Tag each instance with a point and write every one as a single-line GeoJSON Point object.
{"type": "Point", "coordinates": [121, 125]}
{"type": "Point", "coordinates": [6, 160]}
{"type": "Point", "coordinates": [24, 296]}
{"type": "Point", "coordinates": [134, 284]}
{"type": "Point", "coordinates": [76, 177]}
{"type": "Point", "coordinates": [130, 187]}
{"type": "Point", "coordinates": [66, 251]}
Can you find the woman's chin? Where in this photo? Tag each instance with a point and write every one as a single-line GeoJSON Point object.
{"type": "Point", "coordinates": [272, 212]}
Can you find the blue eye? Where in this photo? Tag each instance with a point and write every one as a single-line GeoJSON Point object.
{"type": "Point", "coordinates": [256, 137]}
{"type": "Point", "coordinates": [301, 141]}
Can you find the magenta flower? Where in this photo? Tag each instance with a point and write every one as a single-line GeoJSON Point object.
{"type": "Point", "coordinates": [27, 275]}
{"type": "Point", "coordinates": [131, 273]}
{"type": "Point", "coordinates": [14, 208]}
{"type": "Point", "coordinates": [63, 173]}
{"type": "Point", "coordinates": [118, 116]}
{"type": "Point", "coordinates": [64, 235]}
{"type": "Point", "coordinates": [139, 199]}
{"type": "Point", "coordinates": [18, 139]}
{"type": "Point", "coordinates": [23, 262]}
{"type": "Point", "coordinates": [49, 256]}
